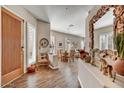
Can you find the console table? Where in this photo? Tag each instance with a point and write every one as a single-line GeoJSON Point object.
{"type": "Point", "coordinates": [90, 77]}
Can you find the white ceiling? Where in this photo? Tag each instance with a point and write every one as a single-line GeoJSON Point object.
{"type": "Point", "coordinates": [68, 18]}
{"type": "Point", "coordinates": [63, 18]}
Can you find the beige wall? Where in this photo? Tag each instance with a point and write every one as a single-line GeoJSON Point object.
{"type": "Point", "coordinates": [60, 37]}
{"type": "Point", "coordinates": [43, 31]}
{"type": "Point", "coordinates": [100, 31]}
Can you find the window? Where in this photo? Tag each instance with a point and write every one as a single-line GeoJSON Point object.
{"type": "Point", "coordinates": [82, 44]}
{"type": "Point", "coordinates": [31, 44]}
{"type": "Point", "coordinates": [106, 41]}
{"type": "Point", "coordinates": [68, 44]}
{"type": "Point", "coordinates": [52, 45]}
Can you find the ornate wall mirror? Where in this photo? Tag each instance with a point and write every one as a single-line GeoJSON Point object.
{"type": "Point", "coordinates": [118, 22]}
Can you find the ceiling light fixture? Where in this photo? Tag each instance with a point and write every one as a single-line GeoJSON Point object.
{"type": "Point", "coordinates": [71, 25]}
{"type": "Point", "coordinates": [66, 8]}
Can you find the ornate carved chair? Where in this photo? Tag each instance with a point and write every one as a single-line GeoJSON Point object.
{"type": "Point", "coordinates": [43, 60]}
{"type": "Point", "coordinates": [59, 55]}
{"type": "Point", "coordinates": [72, 55]}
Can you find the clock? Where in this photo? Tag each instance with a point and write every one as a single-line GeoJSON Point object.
{"type": "Point", "coordinates": [44, 42]}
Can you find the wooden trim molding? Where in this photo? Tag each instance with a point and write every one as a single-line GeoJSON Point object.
{"type": "Point", "coordinates": [118, 24]}
{"type": "Point", "coordinates": [11, 14]}
{"type": "Point", "coordinates": [0, 48]}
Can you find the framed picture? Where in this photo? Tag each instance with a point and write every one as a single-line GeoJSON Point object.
{"type": "Point", "coordinates": [60, 44]}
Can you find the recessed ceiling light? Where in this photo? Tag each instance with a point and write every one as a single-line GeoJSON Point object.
{"type": "Point", "coordinates": [66, 8]}
{"type": "Point", "coordinates": [71, 25]}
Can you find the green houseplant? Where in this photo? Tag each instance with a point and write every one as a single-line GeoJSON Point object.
{"type": "Point", "coordinates": [119, 45]}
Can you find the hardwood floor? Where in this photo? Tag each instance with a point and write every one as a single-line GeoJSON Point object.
{"type": "Point", "coordinates": [64, 77]}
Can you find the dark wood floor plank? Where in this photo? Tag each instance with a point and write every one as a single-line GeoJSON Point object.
{"type": "Point", "coordinates": [64, 77]}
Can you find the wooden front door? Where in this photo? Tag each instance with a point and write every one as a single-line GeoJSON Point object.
{"type": "Point", "coordinates": [12, 61]}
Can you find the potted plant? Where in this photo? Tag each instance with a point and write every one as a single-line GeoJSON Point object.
{"type": "Point", "coordinates": [119, 45]}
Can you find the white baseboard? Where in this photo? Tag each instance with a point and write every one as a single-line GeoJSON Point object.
{"type": "Point", "coordinates": [80, 82]}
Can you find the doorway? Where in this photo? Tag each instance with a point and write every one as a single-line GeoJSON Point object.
{"type": "Point", "coordinates": [12, 46]}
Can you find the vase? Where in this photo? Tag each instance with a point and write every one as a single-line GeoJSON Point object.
{"type": "Point", "coordinates": [118, 66]}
